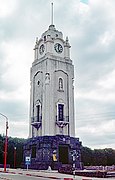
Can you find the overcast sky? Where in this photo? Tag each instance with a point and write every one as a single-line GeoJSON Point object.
{"type": "Point", "coordinates": [90, 26]}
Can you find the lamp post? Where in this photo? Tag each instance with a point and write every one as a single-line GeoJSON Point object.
{"type": "Point", "coordinates": [14, 157]}
{"type": "Point", "coordinates": [6, 142]}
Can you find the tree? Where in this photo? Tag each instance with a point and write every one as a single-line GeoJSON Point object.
{"type": "Point", "coordinates": [86, 156]}
{"type": "Point", "coordinates": [18, 143]}
{"type": "Point", "coordinates": [98, 157]}
{"type": "Point", "coordinates": [12, 142]}
{"type": "Point", "coordinates": [1, 149]}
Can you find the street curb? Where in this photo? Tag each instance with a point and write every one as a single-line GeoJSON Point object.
{"type": "Point", "coordinates": [35, 175]}
{"type": "Point", "coordinates": [28, 174]}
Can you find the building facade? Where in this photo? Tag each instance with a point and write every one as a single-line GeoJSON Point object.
{"type": "Point", "coordinates": [52, 139]}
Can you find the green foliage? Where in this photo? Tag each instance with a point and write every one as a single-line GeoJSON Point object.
{"type": "Point", "coordinates": [1, 149]}
{"type": "Point", "coordinates": [87, 156]}
{"type": "Point", "coordinates": [12, 142]}
{"type": "Point", "coordinates": [98, 157]}
{"type": "Point", "coordinates": [18, 143]}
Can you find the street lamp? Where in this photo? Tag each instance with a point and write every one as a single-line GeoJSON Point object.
{"type": "Point", "coordinates": [14, 157]}
{"type": "Point", "coordinates": [6, 142]}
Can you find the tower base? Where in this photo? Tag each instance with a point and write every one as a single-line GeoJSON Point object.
{"type": "Point", "coordinates": [52, 151]}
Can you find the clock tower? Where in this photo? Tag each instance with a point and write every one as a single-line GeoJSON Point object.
{"type": "Point", "coordinates": [52, 140]}
{"type": "Point", "coordinates": [52, 90]}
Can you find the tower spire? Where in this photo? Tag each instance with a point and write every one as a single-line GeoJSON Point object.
{"type": "Point", "coordinates": [51, 13]}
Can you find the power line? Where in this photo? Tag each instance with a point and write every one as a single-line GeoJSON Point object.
{"type": "Point", "coordinates": [95, 114]}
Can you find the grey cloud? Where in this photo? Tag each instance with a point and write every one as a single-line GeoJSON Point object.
{"type": "Point", "coordinates": [14, 109]}
{"type": "Point", "coordinates": [92, 59]}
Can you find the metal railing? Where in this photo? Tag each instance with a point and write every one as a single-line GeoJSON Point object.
{"type": "Point", "coordinates": [64, 118]}
{"type": "Point", "coordinates": [36, 121]}
{"type": "Point", "coordinates": [62, 122]}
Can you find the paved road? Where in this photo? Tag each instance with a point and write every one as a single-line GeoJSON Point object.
{"type": "Point", "coordinates": [8, 176]}
{"type": "Point", "coordinates": [20, 174]}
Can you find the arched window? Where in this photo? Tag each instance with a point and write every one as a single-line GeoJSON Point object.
{"type": "Point", "coordinates": [60, 84]}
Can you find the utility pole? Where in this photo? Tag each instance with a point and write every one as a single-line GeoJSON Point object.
{"type": "Point", "coordinates": [6, 142]}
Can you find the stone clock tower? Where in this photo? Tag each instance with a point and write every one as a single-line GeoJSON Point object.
{"type": "Point", "coordinates": [52, 139]}
{"type": "Point", "coordinates": [52, 91]}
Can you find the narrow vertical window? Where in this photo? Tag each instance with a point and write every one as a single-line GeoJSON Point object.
{"type": "Point", "coordinates": [60, 84]}
{"type": "Point", "coordinates": [60, 112]}
{"type": "Point", "coordinates": [38, 113]}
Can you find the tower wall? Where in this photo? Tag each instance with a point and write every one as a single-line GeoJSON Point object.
{"type": "Point", "coordinates": [46, 92]}
{"type": "Point", "coordinates": [52, 139]}
{"type": "Point", "coordinates": [53, 151]}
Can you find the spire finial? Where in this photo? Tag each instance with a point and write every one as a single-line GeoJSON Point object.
{"type": "Point", "coordinates": [52, 14]}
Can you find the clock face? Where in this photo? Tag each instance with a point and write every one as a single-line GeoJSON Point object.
{"type": "Point", "coordinates": [58, 48]}
{"type": "Point", "coordinates": [41, 49]}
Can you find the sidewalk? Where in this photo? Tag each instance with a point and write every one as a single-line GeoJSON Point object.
{"type": "Point", "coordinates": [50, 174]}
